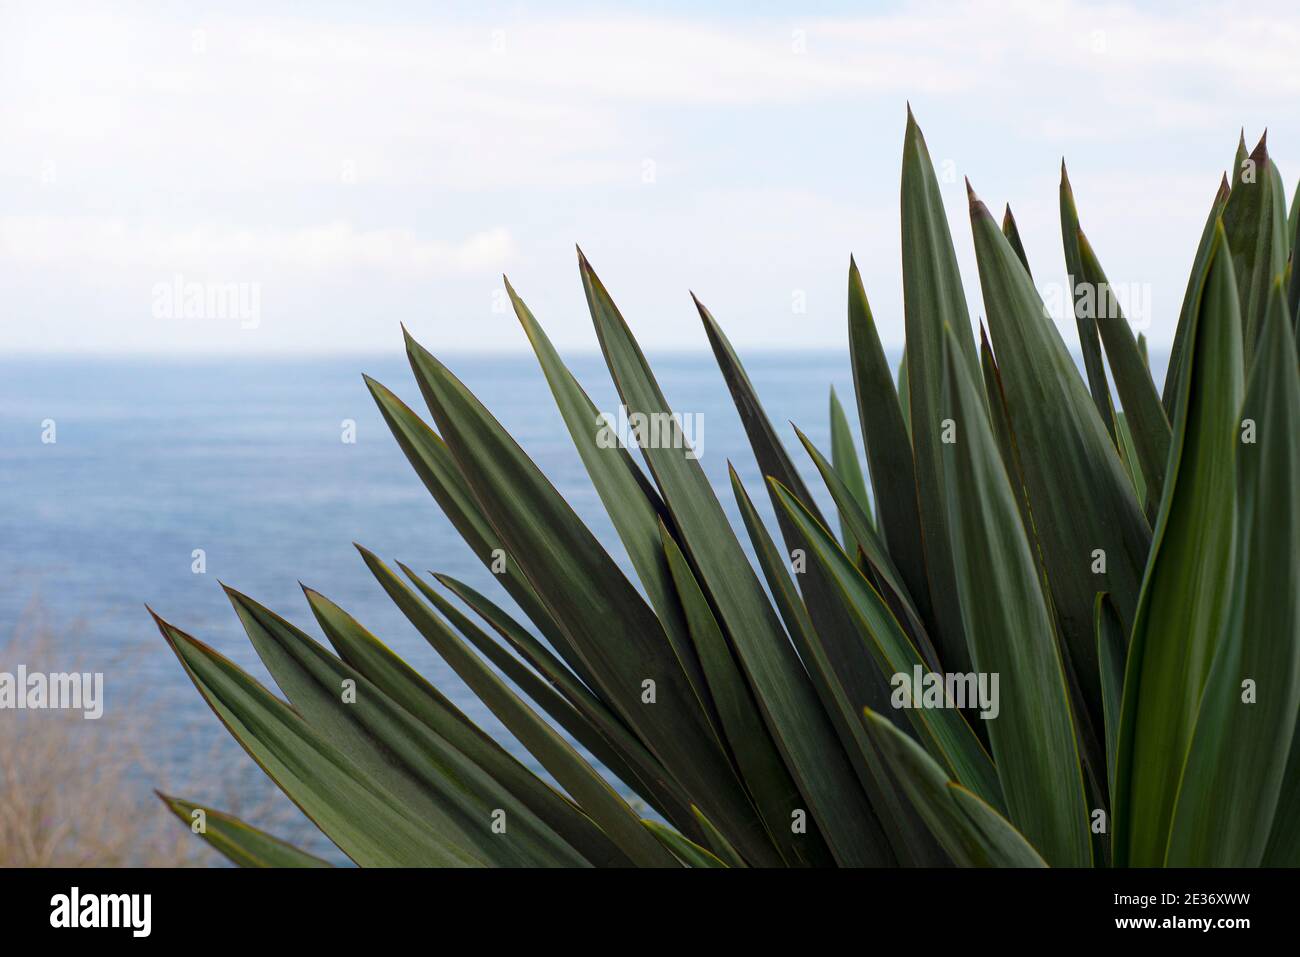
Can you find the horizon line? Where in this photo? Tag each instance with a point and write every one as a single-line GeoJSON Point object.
{"type": "Point", "coordinates": [504, 352]}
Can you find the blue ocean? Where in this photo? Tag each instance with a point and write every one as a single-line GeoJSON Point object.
{"type": "Point", "coordinates": [154, 460]}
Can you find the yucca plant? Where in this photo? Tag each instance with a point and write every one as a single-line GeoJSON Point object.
{"type": "Point", "coordinates": [1123, 559]}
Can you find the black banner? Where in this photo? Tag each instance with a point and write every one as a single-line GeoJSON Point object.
{"type": "Point", "coordinates": [926, 907]}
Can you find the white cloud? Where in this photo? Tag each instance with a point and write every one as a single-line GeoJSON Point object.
{"type": "Point", "coordinates": [532, 100]}
{"type": "Point", "coordinates": [89, 243]}
{"type": "Point", "coordinates": [374, 155]}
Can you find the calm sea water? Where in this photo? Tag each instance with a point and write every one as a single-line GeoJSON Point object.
{"type": "Point", "coordinates": [245, 460]}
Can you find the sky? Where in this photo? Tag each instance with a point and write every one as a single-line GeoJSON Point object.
{"type": "Point", "coordinates": [291, 178]}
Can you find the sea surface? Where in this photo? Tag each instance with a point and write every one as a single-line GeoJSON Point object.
{"type": "Point", "coordinates": [246, 460]}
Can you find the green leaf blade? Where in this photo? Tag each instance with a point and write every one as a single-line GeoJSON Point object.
{"type": "Point", "coordinates": [1084, 319]}
{"type": "Point", "coordinates": [972, 833]}
{"type": "Point", "coordinates": [1080, 495]}
{"type": "Point", "coordinates": [844, 458]}
{"type": "Point", "coordinates": [1011, 634]}
{"type": "Point", "coordinates": [944, 731]}
{"type": "Point", "coordinates": [782, 688]}
{"type": "Point", "coordinates": [1148, 426]}
{"type": "Point", "coordinates": [888, 448]}
{"type": "Point", "coordinates": [1185, 589]}
{"type": "Point", "coordinates": [240, 843]}
{"type": "Point", "coordinates": [1238, 754]}
{"type": "Point", "coordinates": [363, 819]}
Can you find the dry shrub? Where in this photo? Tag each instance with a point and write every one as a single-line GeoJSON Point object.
{"type": "Point", "coordinates": [79, 793]}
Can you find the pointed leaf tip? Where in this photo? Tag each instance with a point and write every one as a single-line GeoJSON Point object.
{"type": "Point", "coordinates": [913, 131]}
{"type": "Point", "coordinates": [1065, 181]}
{"type": "Point", "coordinates": [977, 207]}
